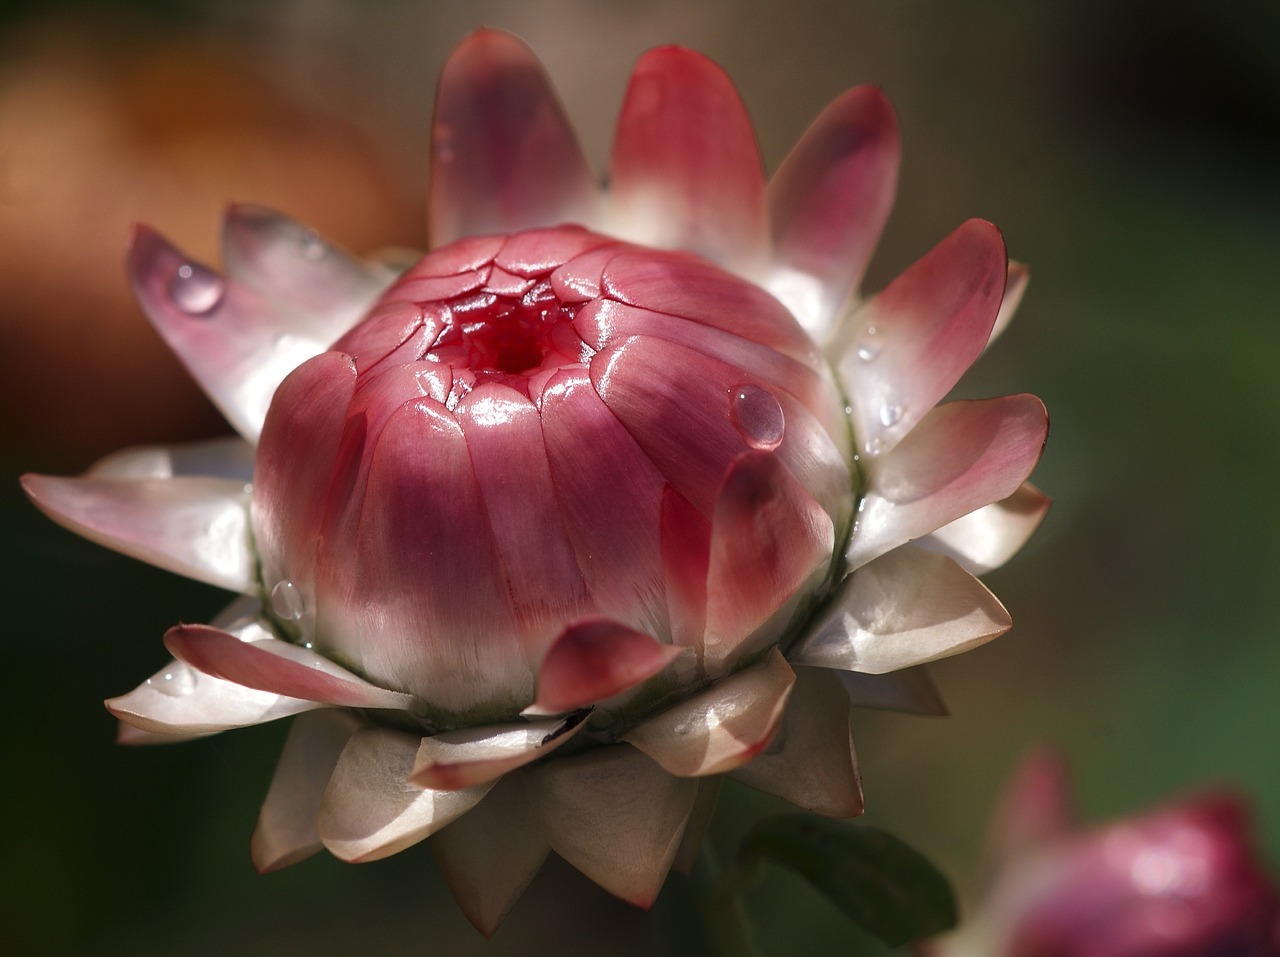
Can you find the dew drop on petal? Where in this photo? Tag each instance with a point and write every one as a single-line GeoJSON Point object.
{"type": "Point", "coordinates": [313, 247]}
{"type": "Point", "coordinates": [869, 346]}
{"type": "Point", "coordinates": [176, 682]}
{"type": "Point", "coordinates": [757, 416]}
{"type": "Point", "coordinates": [196, 290]}
{"type": "Point", "coordinates": [874, 446]}
{"type": "Point", "coordinates": [890, 413]}
{"type": "Point", "coordinates": [286, 600]}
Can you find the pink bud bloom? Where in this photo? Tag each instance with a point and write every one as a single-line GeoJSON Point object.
{"type": "Point", "coordinates": [545, 532]}
{"type": "Point", "coordinates": [1178, 881]}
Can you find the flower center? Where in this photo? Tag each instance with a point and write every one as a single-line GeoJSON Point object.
{"type": "Point", "coordinates": [496, 336]}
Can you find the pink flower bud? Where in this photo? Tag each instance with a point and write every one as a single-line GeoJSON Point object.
{"type": "Point", "coordinates": [541, 535]}
{"type": "Point", "coordinates": [1177, 881]}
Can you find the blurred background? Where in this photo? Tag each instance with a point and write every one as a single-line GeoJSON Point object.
{"type": "Point", "coordinates": [1130, 152]}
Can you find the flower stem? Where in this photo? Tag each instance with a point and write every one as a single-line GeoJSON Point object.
{"type": "Point", "coordinates": [726, 928]}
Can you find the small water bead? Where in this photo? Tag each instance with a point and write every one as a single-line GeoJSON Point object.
{"type": "Point", "coordinates": [286, 601]}
{"type": "Point", "coordinates": [313, 247]}
{"type": "Point", "coordinates": [196, 290]}
{"type": "Point", "coordinates": [757, 416]}
{"type": "Point", "coordinates": [176, 682]}
{"type": "Point", "coordinates": [890, 413]}
{"type": "Point", "coordinates": [873, 446]}
{"type": "Point", "coordinates": [869, 348]}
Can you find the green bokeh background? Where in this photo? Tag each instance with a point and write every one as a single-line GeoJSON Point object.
{"type": "Point", "coordinates": [1129, 151]}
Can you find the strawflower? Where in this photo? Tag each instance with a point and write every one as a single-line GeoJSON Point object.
{"type": "Point", "coordinates": [609, 495]}
{"type": "Point", "coordinates": [1182, 880]}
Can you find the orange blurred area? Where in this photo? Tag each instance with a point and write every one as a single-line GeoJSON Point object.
{"type": "Point", "coordinates": [104, 127]}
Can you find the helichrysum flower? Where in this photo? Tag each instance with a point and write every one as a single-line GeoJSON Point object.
{"type": "Point", "coordinates": [611, 493]}
{"type": "Point", "coordinates": [1177, 881]}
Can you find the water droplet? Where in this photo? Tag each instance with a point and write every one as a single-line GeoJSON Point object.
{"type": "Point", "coordinates": [196, 290]}
{"type": "Point", "coordinates": [874, 446]}
{"type": "Point", "coordinates": [890, 413]}
{"type": "Point", "coordinates": [177, 682]}
{"type": "Point", "coordinates": [757, 416]}
{"type": "Point", "coordinates": [286, 600]}
{"type": "Point", "coordinates": [869, 346]}
{"type": "Point", "coordinates": [313, 247]}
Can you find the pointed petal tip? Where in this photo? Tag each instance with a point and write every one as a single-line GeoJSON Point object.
{"type": "Point", "coordinates": [594, 660]}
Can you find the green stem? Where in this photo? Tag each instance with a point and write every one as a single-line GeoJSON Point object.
{"type": "Point", "coordinates": [726, 929]}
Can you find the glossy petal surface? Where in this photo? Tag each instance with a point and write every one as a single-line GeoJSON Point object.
{"type": "Point", "coordinates": [722, 728]}
{"type": "Point", "coordinates": [988, 537]}
{"type": "Point", "coordinates": [828, 202]}
{"type": "Point", "coordinates": [909, 345]}
{"type": "Point", "coordinates": [685, 170]}
{"type": "Point", "coordinates": [461, 759]}
{"type": "Point", "coordinates": [287, 830]}
{"type": "Point", "coordinates": [503, 156]}
{"type": "Point", "coordinates": [906, 608]}
{"type": "Point", "coordinates": [370, 811]}
{"type": "Point", "coordinates": [964, 455]}
{"type": "Point", "coordinates": [616, 816]}
{"type": "Point", "coordinates": [594, 660]}
{"type": "Point", "coordinates": [195, 526]}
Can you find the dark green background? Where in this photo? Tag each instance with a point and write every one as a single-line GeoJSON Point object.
{"type": "Point", "coordinates": [1129, 151]}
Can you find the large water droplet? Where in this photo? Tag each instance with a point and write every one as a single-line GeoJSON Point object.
{"type": "Point", "coordinates": [286, 601]}
{"type": "Point", "coordinates": [757, 416]}
{"type": "Point", "coordinates": [890, 413]}
{"type": "Point", "coordinates": [313, 247]}
{"type": "Point", "coordinates": [196, 290]}
{"type": "Point", "coordinates": [177, 682]}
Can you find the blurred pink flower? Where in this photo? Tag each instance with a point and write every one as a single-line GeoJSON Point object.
{"type": "Point", "coordinates": [563, 522]}
{"type": "Point", "coordinates": [1177, 881]}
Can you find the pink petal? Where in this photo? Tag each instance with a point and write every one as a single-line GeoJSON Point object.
{"type": "Point", "coordinates": [490, 854]}
{"type": "Point", "coordinates": [286, 262]}
{"type": "Point", "coordinates": [277, 666]}
{"type": "Point", "coordinates": [462, 255]}
{"type": "Point", "coordinates": [811, 762]}
{"type": "Point", "coordinates": [503, 156]}
{"type": "Point", "coordinates": [370, 810]}
{"type": "Point", "coordinates": [418, 512]}
{"type": "Point", "coordinates": [509, 457]}
{"type": "Point", "coordinates": [287, 831]}
{"type": "Point", "coordinates": [1035, 808]}
{"type": "Point", "coordinates": [604, 322]}
{"type": "Point", "coordinates": [615, 816]}
{"type": "Point", "coordinates": [685, 169]}
{"type": "Point", "coordinates": [988, 537]}
{"type": "Point", "coordinates": [904, 350]}
{"type": "Point", "coordinates": [964, 455]}
{"type": "Point", "coordinates": [683, 286]}
{"type": "Point", "coordinates": [461, 759]}
{"type": "Point", "coordinates": [722, 728]}
{"type": "Point", "coordinates": [1014, 289]}
{"type": "Point", "coordinates": [910, 691]}
{"type": "Point", "coordinates": [179, 701]}
{"type": "Point", "coordinates": [905, 608]}
{"type": "Point", "coordinates": [686, 555]}
{"type": "Point", "coordinates": [578, 280]}
{"type": "Point", "coordinates": [679, 405]}
{"type": "Point", "coordinates": [236, 343]}
{"type": "Point", "coordinates": [294, 475]}
{"type": "Point", "coordinates": [194, 526]}
{"type": "Point", "coordinates": [828, 201]}
{"type": "Point", "coordinates": [229, 458]}
{"type": "Point", "coordinates": [538, 251]}
{"type": "Point", "coordinates": [594, 660]}
{"type": "Point", "coordinates": [768, 537]}
{"type": "Point", "coordinates": [615, 531]}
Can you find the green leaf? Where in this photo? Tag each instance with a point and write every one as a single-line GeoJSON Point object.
{"type": "Point", "coordinates": [887, 887]}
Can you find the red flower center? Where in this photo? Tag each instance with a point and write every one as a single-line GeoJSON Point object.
{"type": "Point", "coordinates": [496, 336]}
